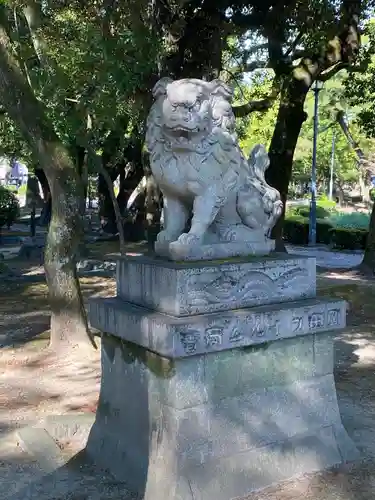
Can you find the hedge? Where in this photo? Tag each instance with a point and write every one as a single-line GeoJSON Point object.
{"type": "Point", "coordinates": [9, 207]}
{"type": "Point", "coordinates": [353, 220]}
{"type": "Point", "coordinates": [296, 230]}
{"type": "Point", "coordinates": [348, 238]}
{"type": "Point", "coordinates": [304, 211]}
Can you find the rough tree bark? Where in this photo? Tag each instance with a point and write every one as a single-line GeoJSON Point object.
{"type": "Point", "coordinates": [289, 121]}
{"type": "Point", "coordinates": [68, 318]}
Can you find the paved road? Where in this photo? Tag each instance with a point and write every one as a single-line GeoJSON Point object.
{"type": "Point", "coordinates": [325, 258]}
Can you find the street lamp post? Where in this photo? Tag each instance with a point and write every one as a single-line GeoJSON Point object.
{"type": "Point", "coordinates": [312, 226]}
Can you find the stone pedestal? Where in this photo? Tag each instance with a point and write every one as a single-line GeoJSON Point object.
{"type": "Point", "coordinates": [217, 378]}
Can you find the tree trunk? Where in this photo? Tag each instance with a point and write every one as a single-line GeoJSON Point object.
{"type": "Point", "coordinates": [118, 218]}
{"type": "Point", "coordinates": [80, 157]}
{"type": "Point", "coordinates": [128, 184]}
{"type": "Point", "coordinates": [368, 261]}
{"type": "Point", "coordinates": [106, 210]}
{"type": "Point", "coordinates": [284, 140]}
{"type": "Point", "coordinates": [41, 176]}
{"type": "Point", "coordinates": [45, 216]}
{"type": "Point", "coordinates": [68, 318]}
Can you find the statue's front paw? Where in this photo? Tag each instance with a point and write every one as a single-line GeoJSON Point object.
{"type": "Point", "coordinates": [188, 239]}
{"type": "Point", "coordinates": [164, 237]}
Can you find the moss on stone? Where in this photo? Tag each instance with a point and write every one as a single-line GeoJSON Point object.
{"type": "Point", "coordinates": [227, 260]}
{"type": "Point", "coordinates": [131, 353]}
{"type": "Point", "coordinates": [257, 347]}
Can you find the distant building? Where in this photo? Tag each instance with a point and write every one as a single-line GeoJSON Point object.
{"type": "Point", "coordinates": [19, 173]}
{"type": "Point", "coordinates": [5, 170]}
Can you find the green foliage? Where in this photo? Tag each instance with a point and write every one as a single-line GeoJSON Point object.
{"type": "Point", "coordinates": [94, 61]}
{"type": "Point", "coordinates": [331, 100]}
{"type": "Point", "coordinates": [304, 211]}
{"type": "Point", "coordinates": [341, 230]}
{"type": "Point", "coordinates": [324, 202]}
{"type": "Point", "coordinates": [353, 220]}
{"type": "Point", "coordinates": [9, 207]}
{"type": "Point", "coordinates": [259, 128]}
{"type": "Point", "coordinates": [324, 209]}
{"type": "Point", "coordinates": [348, 239]}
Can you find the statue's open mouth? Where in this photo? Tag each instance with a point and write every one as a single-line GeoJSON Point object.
{"type": "Point", "coordinates": [184, 132]}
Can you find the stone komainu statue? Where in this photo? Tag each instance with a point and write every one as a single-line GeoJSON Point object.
{"type": "Point", "coordinates": [201, 170]}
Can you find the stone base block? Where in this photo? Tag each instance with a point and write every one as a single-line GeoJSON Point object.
{"type": "Point", "coordinates": [180, 336]}
{"type": "Point", "coordinates": [217, 425]}
{"type": "Point", "coordinates": [178, 251]}
{"type": "Point", "coordinates": [185, 288]}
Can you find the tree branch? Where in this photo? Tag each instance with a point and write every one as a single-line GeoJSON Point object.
{"type": "Point", "coordinates": [326, 75]}
{"type": "Point", "coordinates": [259, 105]}
{"type": "Point", "coordinates": [293, 45]}
{"type": "Point", "coordinates": [249, 52]}
{"type": "Point", "coordinates": [253, 65]}
{"type": "Point", "coordinates": [250, 107]}
{"type": "Point", "coordinates": [32, 11]}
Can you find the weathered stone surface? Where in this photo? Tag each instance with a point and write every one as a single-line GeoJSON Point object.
{"type": "Point", "coordinates": [180, 336]}
{"type": "Point", "coordinates": [182, 289]}
{"type": "Point", "coordinates": [229, 373]}
{"type": "Point", "coordinates": [40, 445]}
{"type": "Point", "coordinates": [218, 378]}
{"type": "Point", "coordinates": [178, 251]}
{"type": "Point", "coordinates": [174, 429]}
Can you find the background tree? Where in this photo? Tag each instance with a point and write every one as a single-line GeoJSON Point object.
{"type": "Point", "coordinates": [37, 94]}
{"type": "Point", "coordinates": [312, 40]}
{"type": "Point", "coordinates": [360, 91]}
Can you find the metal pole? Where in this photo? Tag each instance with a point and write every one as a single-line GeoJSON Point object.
{"type": "Point", "coordinates": [312, 225]}
{"type": "Point", "coordinates": [332, 166]}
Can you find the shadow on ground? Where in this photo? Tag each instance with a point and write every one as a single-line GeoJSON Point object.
{"type": "Point", "coordinates": [24, 308]}
{"type": "Point", "coordinates": [77, 480]}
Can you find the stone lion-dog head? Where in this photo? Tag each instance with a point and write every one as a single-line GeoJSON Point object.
{"type": "Point", "coordinates": [188, 113]}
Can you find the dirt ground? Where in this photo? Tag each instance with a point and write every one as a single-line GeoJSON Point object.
{"type": "Point", "coordinates": [35, 383]}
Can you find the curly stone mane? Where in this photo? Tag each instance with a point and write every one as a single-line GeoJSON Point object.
{"type": "Point", "coordinates": [208, 102]}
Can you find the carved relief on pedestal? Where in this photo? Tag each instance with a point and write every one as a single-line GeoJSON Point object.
{"type": "Point", "coordinates": [189, 340]}
{"type": "Point", "coordinates": [237, 286]}
{"type": "Point", "coordinates": [316, 320]}
{"type": "Point", "coordinates": [333, 317]}
{"type": "Point", "coordinates": [297, 324]}
{"type": "Point", "coordinates": [214, 336]}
